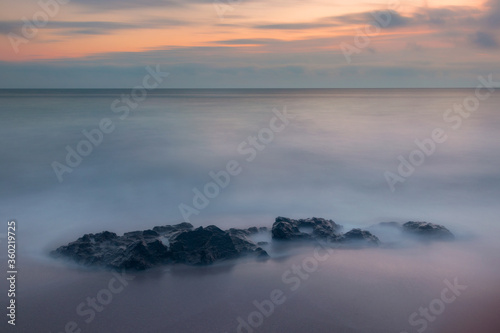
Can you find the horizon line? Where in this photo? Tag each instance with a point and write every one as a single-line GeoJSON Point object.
{"type": "Point", "coordinates": [274, 88]}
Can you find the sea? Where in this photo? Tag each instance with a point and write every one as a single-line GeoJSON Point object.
{"type": "Point", "coordinates": [76, 161]}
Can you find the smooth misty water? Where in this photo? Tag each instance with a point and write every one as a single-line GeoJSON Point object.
{"type": "Point", "coordinates": [328, 162]}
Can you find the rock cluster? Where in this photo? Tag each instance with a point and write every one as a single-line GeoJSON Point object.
{"type": "Point", "coordinates": [288, 229]}
{"type": "Point", "coordinates": [179, 243]}
{"type": "Point", "coordinates": [182, 243]}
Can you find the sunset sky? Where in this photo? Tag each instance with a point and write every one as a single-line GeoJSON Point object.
{"type": "Point", "coordinates": [249, 43]}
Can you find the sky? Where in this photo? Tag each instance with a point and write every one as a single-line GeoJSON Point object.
{"type": "Point", "coordinates": [249, 43]}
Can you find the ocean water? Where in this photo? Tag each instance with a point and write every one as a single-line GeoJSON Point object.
{"type": "Point", "coordinates": [329, 158]}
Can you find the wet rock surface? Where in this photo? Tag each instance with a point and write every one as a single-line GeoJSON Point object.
{"type": "Point", "coordinates": [183, 244]}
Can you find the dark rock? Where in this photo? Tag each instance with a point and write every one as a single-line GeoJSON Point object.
{"type": "Point", "coordinates": [253, 230]}
{"type": "Point", "coordinates": [247, 232]}
{"type": "Point", "coordinates": [131, 250]}
{"type": "Point", "coordinates": [105, 236]}
{"type": "Point", "coordinates": [360, 237]}
{"type": "Point", "coordinates": [141, 255]}
{"type": "Point", "coordinates": [170, 229]}
{"type": "Point", "coordinates": [288, 229]}
{"type": "Point", "coordinates": [207, 245]}
{"type": "Point", "coordinates": [141, 250]}
{"type": "Point", "coordinates": [427, 231]}
{"type": "Point", "coordinates": [239, 232]}
{"type": "Point", "coordinates": [150, 233]}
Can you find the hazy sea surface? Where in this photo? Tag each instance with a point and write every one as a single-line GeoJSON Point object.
{"type": "Point", "coordinates": [329, 161]}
